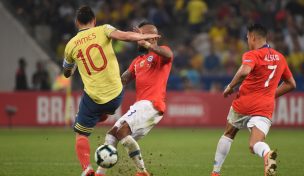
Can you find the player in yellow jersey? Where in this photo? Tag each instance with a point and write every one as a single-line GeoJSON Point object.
{"type": "Point", "coordinates": [91, 51]}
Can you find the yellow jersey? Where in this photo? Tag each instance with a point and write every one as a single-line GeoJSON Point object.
{"type": "Point", "coordinates": [91, 49]}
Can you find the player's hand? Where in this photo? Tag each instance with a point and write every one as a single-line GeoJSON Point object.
{"type": "Point", "coordinates": [144, 44]}
{"type": "Point", "coordinates": [136, 29]}
{"type": "Point", "coordinates": [228, 91]}
{"type": "Point", "coordinates": [151, 36]}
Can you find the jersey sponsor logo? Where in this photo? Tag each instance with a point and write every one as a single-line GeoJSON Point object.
{"type": "Point", "coordinates": [141, 64]}
{"type": "Point", "coordinates": [247, 60]}
{"type": "Point", "coordinates": [271, 57]}
{"type": "Point", "coordinates": [150, 58]}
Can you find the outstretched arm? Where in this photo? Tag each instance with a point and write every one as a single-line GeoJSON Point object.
{"type": "Point", "coordinates": [131, 36]}
{"type": "Point", "coordinates": [241, 74]}
{"type": "Point", "coordinates": [126, 77]}
{"type": "Point", "coordinates": [287, 86]}
{"type": "Point", "coordinates": [165, 53]}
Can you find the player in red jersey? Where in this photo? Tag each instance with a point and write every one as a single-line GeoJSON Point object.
{"type": "Point", "coordinates": [150, 71]}
{"type": "Point", "coordinates": [260, 74]}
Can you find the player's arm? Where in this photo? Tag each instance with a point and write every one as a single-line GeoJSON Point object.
{"type": "Point", "coordinates": [69, 72]}
{"type": "Point", "coordinates": [131, 36]}
{"type": "Point", "coordinates": [127, 77]}
{"type": "Point", "coordinates": [288, 84]}
{"type": "Point", "coordinates": [68, 68]}
{"type": "Point", "coordinates": [241, 74]}
{"type": "Point", "coordinates": [165, 53]}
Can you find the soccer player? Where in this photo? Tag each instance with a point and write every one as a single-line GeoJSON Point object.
{"type": "Point", "coordinates": [151, 71]}
{"type": "Point", "coordinates": [91, 50]}
{"type": "Point", "coordinates": [260, 73]}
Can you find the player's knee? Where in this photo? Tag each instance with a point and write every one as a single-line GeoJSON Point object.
{"type": "Point", "coordinates": [251, 145]}
{"type": "Point", "coordinates": [123, 131]}
{"type": "Point", "coordinates": [229, 134]}
{"type": "Point", "coordinates": [113, 131]}
{"type": "Point", "coordinates": [82, 130]}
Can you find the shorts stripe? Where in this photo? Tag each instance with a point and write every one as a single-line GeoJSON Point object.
{"type": "Point", "coordinates": [82, 128]}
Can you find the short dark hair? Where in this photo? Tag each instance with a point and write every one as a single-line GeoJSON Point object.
{"type": "Point", "coordinates": [85, 14]}
{"type": "Point", "coordinates": [143, 23]}
{"type": "Point", "coordinates": [258, 29]}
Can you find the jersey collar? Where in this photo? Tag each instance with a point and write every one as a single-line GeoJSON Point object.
{"type": "Point", "coordinates": [265, 46]}
{"type": "Point", "coordinates": [83, 29]}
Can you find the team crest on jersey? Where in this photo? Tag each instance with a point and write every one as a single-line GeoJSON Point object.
{"type": "Point", "coordinates": [141, 64]}
{"type": "Point", "coordinates": [150, 59]}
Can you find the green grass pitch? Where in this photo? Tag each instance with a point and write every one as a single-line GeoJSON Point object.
{"type": "Point", "coordinates": [167, 152]}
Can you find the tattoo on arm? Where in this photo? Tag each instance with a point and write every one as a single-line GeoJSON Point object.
{"type": "Point", "coordinates": [126, 77]}
{"type": "Point", "coordinates": [162, 52]}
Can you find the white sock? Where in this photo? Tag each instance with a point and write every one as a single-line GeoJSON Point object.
{"type": "Point", "coordinates": [101, 170]}
{"type": "Point", "coordinates": [261, 148]}
{"type": "Point", "coordinates": [109, 140]}
{"type": "Point", "coordinates": [133, 149]}
{"type": "Point", "coordinates": [222, 150]}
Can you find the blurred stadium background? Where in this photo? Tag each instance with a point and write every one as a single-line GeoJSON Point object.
{"type": "Point", "coordinates": [208, 38]}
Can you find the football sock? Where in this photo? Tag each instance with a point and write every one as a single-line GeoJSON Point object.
{"type": "Point", "coordinates": [101, 170]}
{"type": "Point", "coordinates": [133, 149]}
{"type": "Point", "coordinates": [222, 150]}
{"type": "Point", "coordinates": [261, 148]}
{"type": "Point", "coordinates": [109, 140]}
{"type": "Point", "coordinates": [83, 151]}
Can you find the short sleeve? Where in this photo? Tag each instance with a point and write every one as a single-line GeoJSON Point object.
{"type": "Point", "coordinates": [287, 73]}
{"type": "Point", "coordinates": [108, 29]}
{"type": "Point", "coordinates": [131, 68]}
{"type": "Point", "coordinates": [249, 59]}
{"type": "Point", "coordinates": [68, 61]}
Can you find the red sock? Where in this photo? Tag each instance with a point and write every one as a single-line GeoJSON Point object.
{"type": "Point", "coordinates": [83, 150]}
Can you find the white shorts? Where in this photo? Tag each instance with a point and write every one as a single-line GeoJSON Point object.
{"type": "Point", "coordinates": [141, 118]}
{"type": "Point", "coordinates": [240, 121]}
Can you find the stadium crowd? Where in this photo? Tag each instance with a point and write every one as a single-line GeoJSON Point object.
{"type": "Point", "coordinates": [208, 36]}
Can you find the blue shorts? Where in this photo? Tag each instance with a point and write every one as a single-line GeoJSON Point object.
{"type": "Point", "coordinates": [90, 113]}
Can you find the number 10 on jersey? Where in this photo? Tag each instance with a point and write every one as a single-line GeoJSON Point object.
{"type": "Point", "coordinates": [88, 56]}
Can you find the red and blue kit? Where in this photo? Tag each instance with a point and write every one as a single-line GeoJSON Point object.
{"type": "Point", "coordinates": [151, 74]}
{"type": "Point", "coordinates": [268, 67]}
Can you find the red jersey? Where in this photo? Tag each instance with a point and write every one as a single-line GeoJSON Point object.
{"type": "Point", "coordinates": [151, 75]}
{"type": "Point", "coordinates": [256, 95]}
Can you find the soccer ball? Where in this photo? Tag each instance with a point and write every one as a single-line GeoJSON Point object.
{"type": "Point", "coordinates": [106, 156]}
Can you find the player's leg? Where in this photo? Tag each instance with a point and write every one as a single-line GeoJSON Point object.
{"type": "Point", "coordinates": [110, 139]}
{"type": "Point", "coordinates": [83, 127]}
{"type": "Point", "coordinates": [235, 121]}
{"type": "Point", "coordinates": [259, 127]}
{"type": "Point", "coordinates": [122, 132]}
{"type": "Point", "coordinates": [90, 113]}
{"type": "Point", "coordinates": [124, 136]}
{"type": "Point", "coordinates": [223, 148]}
{"type": "Point", "coordinates": [139, 120]}
{"type": "Point", "coordinates": [83, 153]}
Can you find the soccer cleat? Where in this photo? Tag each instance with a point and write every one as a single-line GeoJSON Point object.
{"type": "Point", "coordinates": [215, 174]}
{"type": "Point", "coordinates": [142, 174]}
{"type": "Point", "coordinates": [88, 172]}
{"type": "Point", "coordinates": [270, 163]}
{"type": "Point", "coordinates": [99, 174]}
